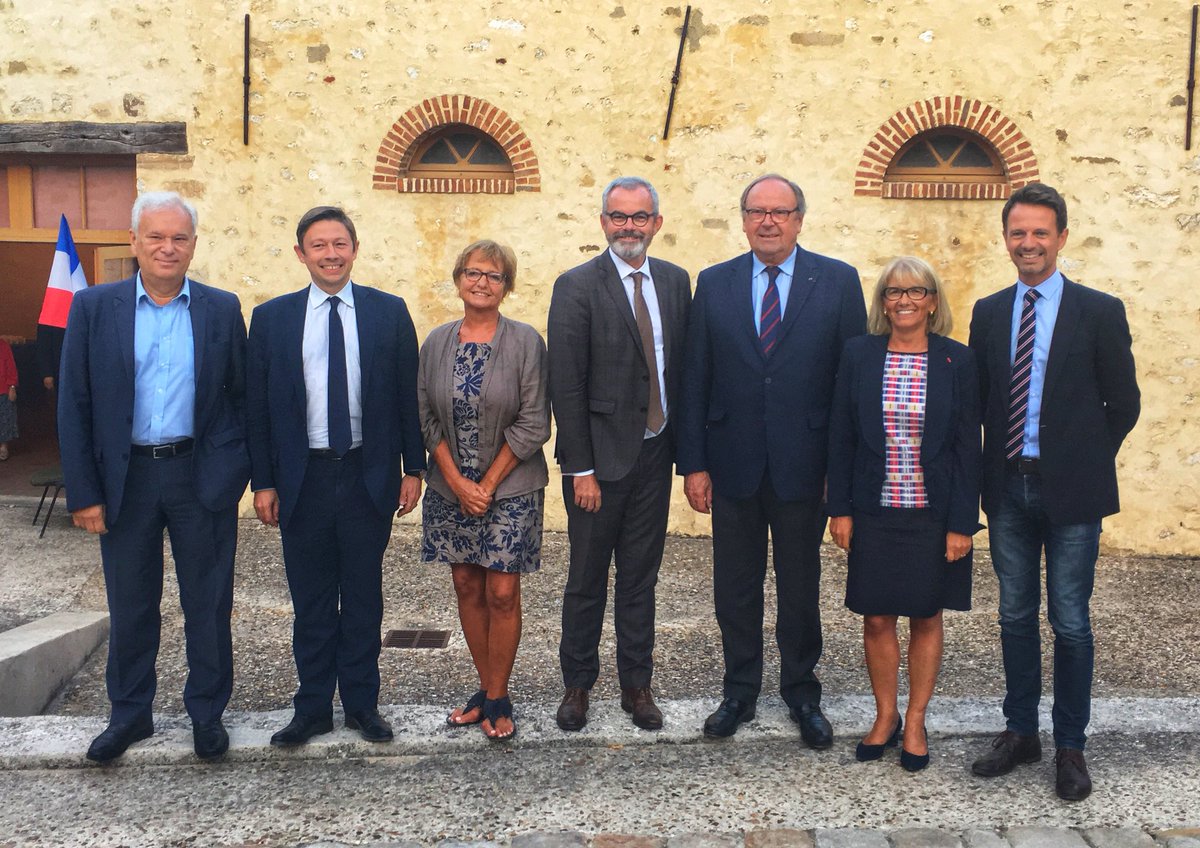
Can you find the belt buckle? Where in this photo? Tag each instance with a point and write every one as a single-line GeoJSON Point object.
{"type": "Point", "coordinates": [162, 451]}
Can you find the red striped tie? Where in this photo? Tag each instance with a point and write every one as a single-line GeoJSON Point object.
{"type": "Point", "coordinates": [1018, 391]}
{"type": "Point", "coordinates": [769, 315]}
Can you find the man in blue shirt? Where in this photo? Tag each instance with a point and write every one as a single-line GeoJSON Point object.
{"type": "Point", "coordinates": [1059, 394]}
{"type": "Point", "coordinates": [152, 430]}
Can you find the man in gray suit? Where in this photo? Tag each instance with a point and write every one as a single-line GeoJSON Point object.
{"type": "Point", "coordinates": [616, 333]}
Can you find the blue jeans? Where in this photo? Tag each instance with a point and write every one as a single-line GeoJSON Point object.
{"type": "Point", "coordinates": [1019, 530]}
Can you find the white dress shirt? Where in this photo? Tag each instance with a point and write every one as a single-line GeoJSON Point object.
{"type": "Point", "coordinates": [316, 365]}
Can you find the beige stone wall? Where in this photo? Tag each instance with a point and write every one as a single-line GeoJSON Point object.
{"type": "Point", "coordinates": [1096, 88]}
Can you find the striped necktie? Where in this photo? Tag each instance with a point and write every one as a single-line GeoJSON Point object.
{"type": "Point", "coordinates": [769, 314]}
{"type": "Point", "coordinates": [1022, 369]}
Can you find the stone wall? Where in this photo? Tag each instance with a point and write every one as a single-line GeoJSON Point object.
{"type": "Point", "coordinates": [1096, 90]}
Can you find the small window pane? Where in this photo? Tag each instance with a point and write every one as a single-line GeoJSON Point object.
{"type": "Point", "coordinates": [439, 154]}
{"type": "Point", "coordinates": [918, 157]}
{"type": "Point", "coordinates": [5, 220]}
{"type": "Point", "coordinates": [945, 145]}
{"type": "Point", "coordinates": [463, 143]}
{"type": "Point", "coordinates": [111, 191]}
{"type": "Point", "coordinates": [56, 191]}
{"type": "Point", "coordinates": [489, 153]}
{"type": "Point", "coordinates": [971, 156]}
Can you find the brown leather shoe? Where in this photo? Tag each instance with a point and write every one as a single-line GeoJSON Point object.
{"type": "Point", "coordinates": [1008, 750]}
{"type": "Point", "coordinates": [1072, 781]}
{"type": "Point", "coordinates": [640, 702]}
{"type": "Point", "coordinates": [572, 712]}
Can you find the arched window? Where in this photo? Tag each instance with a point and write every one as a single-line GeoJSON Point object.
{"type": "Point", "coordinates": [946, 155]}
{"type": "Point", "coordinates": [946, 148]}
{"type": "Point", "coordinates": [456, 144]}
{"type": "Point", "coordinates": [460, 151]}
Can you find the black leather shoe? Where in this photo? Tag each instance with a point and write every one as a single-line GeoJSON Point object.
{"type": "Point", "coordinates": [370, 725]}
{"type": "Point", "coordinates": [301, 729]}
{"type": "Point", "coordinates": [724, 722]}
{"type": "Point", "coordinates": [117, 737]}
{"type": "Point", "coordinates": [572, 712]}
{"type": "Point", "coordinates": [1072, 781]}
{"type": "Point", "coordinates": [210, 739]}
{"type": "Point", "coordinates": [640, 704]}
{"type": "Point", "coordinates": [1009, 750]}
{"type": "Point", "coordinates": [815, 729]}
{"type": "Point", "coordinates": [865, 753]}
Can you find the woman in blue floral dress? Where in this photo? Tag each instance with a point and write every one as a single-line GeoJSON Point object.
{"type": "Point", "coordinates": [485, 417]}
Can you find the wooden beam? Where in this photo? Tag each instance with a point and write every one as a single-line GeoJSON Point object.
{"type": "Point", "coordinates": [45, 235]}
{"type": "Point", "coordinates": [80, 137]}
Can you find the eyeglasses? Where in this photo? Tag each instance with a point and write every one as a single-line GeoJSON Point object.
{"type": "Point", "coordinates": [639, 219]}
{"type": "Point", "coordinates": [914, 294]}
{"type": "Point", "coordinates": [777, 215]}
{"type": "Point", "coordinates": [473, 275]}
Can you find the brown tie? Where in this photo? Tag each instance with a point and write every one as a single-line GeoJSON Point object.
{"type": "Point", "coordinates": [654, 415]}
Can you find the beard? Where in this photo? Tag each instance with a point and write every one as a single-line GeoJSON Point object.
{"type": "Point", "coordinates": [629, 251]}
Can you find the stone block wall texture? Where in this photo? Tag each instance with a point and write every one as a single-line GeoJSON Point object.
{"type": "Point", "coordinates": [1095, 90]}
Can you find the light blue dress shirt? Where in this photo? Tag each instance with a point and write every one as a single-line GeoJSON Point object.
{"type": "Point", "coordinates": [315, 352]}
{"type": "Point", "coordinates": [1045, 314]}
{"type": "Point", "coordinates": [164, 368]}
{"type": "Point", "coordinates": [783, 283]}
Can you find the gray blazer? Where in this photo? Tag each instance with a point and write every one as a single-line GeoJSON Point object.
{"type": "Point", "coordinates": [513, 406]}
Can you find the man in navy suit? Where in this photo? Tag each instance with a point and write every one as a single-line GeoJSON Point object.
{"type": "Point", "coordinates": [764, 336]}
{"type": "Point", "coordinates": [151, 424]}
{"type": "Point", "coordinates": [332, 417]}
{"type": "Point", "coordinates": [1060, 394]}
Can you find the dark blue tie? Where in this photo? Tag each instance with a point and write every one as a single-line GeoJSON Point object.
{"type": "Point", "coordinates": [769, 315]}
{"type": "Point", "coordinates": [338, 389]}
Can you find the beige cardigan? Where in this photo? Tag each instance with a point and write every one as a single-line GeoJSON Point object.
{"type": "Point", "coordinates": [513, 406]}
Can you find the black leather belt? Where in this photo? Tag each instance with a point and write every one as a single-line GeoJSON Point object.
{"type": "Point", "coordinates": [330, 453]}
{"type": "Point", "coordinates": [1024, 465]}
{"type": "Point", "coordinates": [181, 448]}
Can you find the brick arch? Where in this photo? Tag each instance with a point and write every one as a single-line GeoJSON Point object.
{"type": "Point", "coordinates": [1013, 148]}
{"type": "Point", "coordinates": [436, 113]}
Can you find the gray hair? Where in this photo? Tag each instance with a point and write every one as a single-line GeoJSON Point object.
{"type": "Point", "coordinates": [918, 271]}
{"type": "Point", "coordinates": [629, 183]}
{"type": "Point", "coordinates": [152, 201]}
{"type": "Point", "coordinates": [801, 206]}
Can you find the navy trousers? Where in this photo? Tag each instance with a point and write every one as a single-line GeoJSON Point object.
{"type": "Point", "coordinates": [160, 494]}
{"type": "Point", "coordinates": [333, 549]}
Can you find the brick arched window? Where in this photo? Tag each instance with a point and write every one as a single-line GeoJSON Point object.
{"type": "Point", "coordinates": [946, 148]}
{"type": "Point", "coordinates": [456, 144]}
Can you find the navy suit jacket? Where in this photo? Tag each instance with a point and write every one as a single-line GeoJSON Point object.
{"type": "Point", "coordinates": [277, 400]}
{"type": "Point", "coordinates": [95, 396]}
{"type": "Point", "coordinates": [744, 414]}
{"type": "Point", "coordinates": [599, 377]}
{"type": "Point", "coordinates": [1090, 401]}
{"type": "Point", "coordinates": [950, 451]}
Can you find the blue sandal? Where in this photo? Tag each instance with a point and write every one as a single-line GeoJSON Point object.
{"type": "Point", "coordinates": [475, 702]}
{"type": "Point", "coordinates": [498, 708]}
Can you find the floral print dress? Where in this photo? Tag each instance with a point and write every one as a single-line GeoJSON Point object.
{"type": "Point", "coordinates": [508, 537]}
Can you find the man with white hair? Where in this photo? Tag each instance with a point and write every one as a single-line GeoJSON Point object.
{"type": "Point", "coordinates": [151, 422]}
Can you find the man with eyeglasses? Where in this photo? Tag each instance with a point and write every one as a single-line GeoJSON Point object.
{"type": "Point", "coordinates": [763, 343]}
{"type": "Point", "coordinates": [333, 421]}
{"type": "Point", "coordinates": [616, 331]}
{"type": "Point", "coordinates": [1060, 394]}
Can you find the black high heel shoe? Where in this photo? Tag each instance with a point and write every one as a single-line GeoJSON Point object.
{"type": "Point", "coordinates": [915, 762]}
{"type": "Point", "coordinates": [865, 753]}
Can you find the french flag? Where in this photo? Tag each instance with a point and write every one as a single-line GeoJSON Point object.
{"type": "Point", "coordinates": [66, 278]}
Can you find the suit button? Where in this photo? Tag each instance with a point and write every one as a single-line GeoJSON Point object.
{"type": "Point", "coordinates": [643, 409]}
{"type": "Point", "coordinates": [767, 381]}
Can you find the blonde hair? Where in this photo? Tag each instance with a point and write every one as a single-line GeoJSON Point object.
{"type": "Point", "coordinates": [493, 251]}
{"type": "Point", "coordinates": [920, 272]}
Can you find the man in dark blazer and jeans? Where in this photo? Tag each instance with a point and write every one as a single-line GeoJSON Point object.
{"type": "Point", "coordinates": [763, 343]}
{"type": "Point", "coordinates": [615, 338]}
{"type": "Point", "coordinates": [1059, 396]}
{"type": "Point", "coordinates": [332, 417]}
{"type": "Point", "coordinates": [152, 427]}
